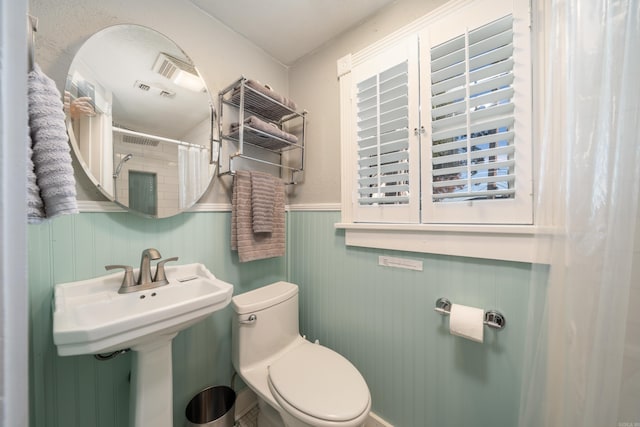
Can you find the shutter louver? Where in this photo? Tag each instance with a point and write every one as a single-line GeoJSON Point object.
{"type": "Point", "coordinates": [472, 115]}
{"type": "Point", "coordinates": [383, 137]}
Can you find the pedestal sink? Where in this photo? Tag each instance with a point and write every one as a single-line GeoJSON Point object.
{"type": "Point", "coordinates": [91, 317]}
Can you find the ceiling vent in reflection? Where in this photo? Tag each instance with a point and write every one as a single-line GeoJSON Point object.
{"type": "Point", "coordinates": [156, 90]}
{"type": "Point", "coordinates": [142, 86]}
{"type": "Point", "coordinates": [178, 71]}
{"type": "Point", "coordinates": [139, 140]}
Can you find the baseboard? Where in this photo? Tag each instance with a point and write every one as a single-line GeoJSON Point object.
{"type": "Point", "coordinates": [247, 400]}
{"type": "Point", "coordinates": [375, 421]}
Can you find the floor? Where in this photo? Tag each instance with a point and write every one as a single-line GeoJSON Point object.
{"type": "Point", "coordinates": [249, 419]}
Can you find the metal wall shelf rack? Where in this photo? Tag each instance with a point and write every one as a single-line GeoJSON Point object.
{"type": "Point", "coordinates": [257, 127]}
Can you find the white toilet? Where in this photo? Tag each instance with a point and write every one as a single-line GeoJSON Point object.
{"type": "Point", "coordinates": [298, 383]}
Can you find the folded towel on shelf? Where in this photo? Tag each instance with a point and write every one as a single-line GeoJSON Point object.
{"type": "Point", "coordinates": [51, 157]}
{"type": "Point", "coordinates": [254, 246]}
{"type": "Point", "coordinates": [266, 127]}
{"type": "Point", "coordinates": [263, 199]}
{"type": "Point", "coordinates": [266, 90]}
{"type": "Point", "coordinates": [35, 207]}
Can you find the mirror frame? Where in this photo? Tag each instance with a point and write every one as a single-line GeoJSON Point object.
{"type": "Point", "coordinates": [211, 143]}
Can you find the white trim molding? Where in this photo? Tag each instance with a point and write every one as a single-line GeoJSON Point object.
{"type": "Point", "coordinates": [376, 421]}
{"type": "Point", "coordinates": [210, 207]}
{"type": "Point", "coordinates": [99, 206]}
{"type": "Point", "coordinates": [314, 207]}
{"type": "Point", "coordinates": [500, 242]}
{"type": "Point", "coordinates": [344, 64]}
{"type": "Point", "coordinates": [108, 206]}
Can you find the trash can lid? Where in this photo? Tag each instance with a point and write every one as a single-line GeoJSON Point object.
{"type": "Point", "coordinates": [320, 383]}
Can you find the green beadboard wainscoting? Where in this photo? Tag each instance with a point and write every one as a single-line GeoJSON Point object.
{"type": "Point", "coordinates": [381, 318]}
{"type": "Point", "coordinates": [79, 391]}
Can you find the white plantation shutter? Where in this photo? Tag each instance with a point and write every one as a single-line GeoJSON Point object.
{"type": "Point", "coordinates": [472, 114]}
{"type": "Point", "coordinates": [477, 152]}
{"type": "Point", "coordinates": [441, 133]}
{"type": "Point", "coordinates": [385, 106]}
{"type": "Point", "coordinates": [383, 137]}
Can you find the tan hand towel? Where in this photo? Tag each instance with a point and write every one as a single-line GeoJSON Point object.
{"type": "Point", "coordinates": [262, 201]}
{"type": "Point", "coordinates": [253, 246]}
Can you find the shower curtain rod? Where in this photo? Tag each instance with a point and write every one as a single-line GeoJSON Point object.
{"type": "Point", "coordinates": [158, 138]}
{"type": "Point", "coordinates": [32, 28]}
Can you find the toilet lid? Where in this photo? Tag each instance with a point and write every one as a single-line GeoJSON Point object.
{"type": "Point", "coordinates": [320, 382]}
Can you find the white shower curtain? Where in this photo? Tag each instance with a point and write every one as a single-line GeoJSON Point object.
{"type": "Point", "coordinates": [583, 345]}
{"type": "Point", "coordinates": [186, 170]}
{"type": "Point", "coordinates": [193, 171]}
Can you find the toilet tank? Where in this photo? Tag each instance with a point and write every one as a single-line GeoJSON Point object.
{"type": "Point", "coordinates": [275, 327]}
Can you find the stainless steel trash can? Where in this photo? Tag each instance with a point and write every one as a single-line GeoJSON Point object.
{"type": "Point", "coordinates": [213, 406]}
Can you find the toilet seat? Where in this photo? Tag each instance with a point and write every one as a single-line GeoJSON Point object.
{"type": "Point", "coordinates": [319, 383]}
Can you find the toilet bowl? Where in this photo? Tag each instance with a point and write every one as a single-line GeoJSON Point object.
{"type": "Point", "coordinates": [298, 383]}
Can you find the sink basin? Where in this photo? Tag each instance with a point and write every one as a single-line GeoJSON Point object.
{"type": "Point", "coordinates": [91, 317]}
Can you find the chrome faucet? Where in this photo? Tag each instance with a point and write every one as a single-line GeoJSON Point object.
{"type": "Point", "coordinates": [144, 277]}
{"type": "Point", "coordinates": [145, 280]}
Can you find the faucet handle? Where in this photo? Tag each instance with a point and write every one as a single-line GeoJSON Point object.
{"type": "Point", "coordinates": [160, 276]}
{"type": "Point", "coordinates": [127, 280]}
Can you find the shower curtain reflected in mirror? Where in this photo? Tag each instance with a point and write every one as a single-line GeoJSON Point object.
{"type": "Point", "coordinates": [193, 170]}
{"type": "Point", "coordinates": [583, 346]}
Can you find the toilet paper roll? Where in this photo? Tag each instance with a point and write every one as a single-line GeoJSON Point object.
{"type": "Point", "coordinates": [467, 322]}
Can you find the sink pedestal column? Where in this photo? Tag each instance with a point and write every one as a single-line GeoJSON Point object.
{"type": "Point", "coordinates": [151, 399]}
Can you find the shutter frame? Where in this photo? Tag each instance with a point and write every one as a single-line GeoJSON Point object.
{"type": "Point", "coordinates": [386, 181]}
{"type": "Point", "coordinates": [443, 199]}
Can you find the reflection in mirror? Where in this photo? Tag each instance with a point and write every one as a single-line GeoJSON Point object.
{"type": "Point", "coordinates": [140, 120]}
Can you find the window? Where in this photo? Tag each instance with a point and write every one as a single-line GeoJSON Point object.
{"type": "Point", "coordinates": [384, 104]}
{"type": "Point", "coordinates": [442, 133]}
{"type": "Point", "coordinates": [472, 115]}
{"type": "Point", "coordinates": [383, 137]}
{"type": "Point", "coordinates": [476, 101]}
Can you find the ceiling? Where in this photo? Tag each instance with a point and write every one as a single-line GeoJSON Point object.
{"type": "Point", "coordinates": [289, 29]}
{"type": "Point", "coordinates": [119, 57]}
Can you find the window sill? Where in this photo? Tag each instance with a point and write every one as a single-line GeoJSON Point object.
{"type": "Point", "coordinates": [501, 242]}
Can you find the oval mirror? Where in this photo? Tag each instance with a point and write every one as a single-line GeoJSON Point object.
{"type": "Point", "coordinates": [140, 120]}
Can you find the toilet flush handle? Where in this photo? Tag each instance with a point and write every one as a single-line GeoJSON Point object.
{"type": "Point", "coordinates": [250, 320]}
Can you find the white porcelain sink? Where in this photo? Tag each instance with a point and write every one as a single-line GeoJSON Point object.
{"type": "Point", "coordinates": [90, 316]}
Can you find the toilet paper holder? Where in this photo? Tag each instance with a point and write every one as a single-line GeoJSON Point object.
{"type": "Point", "coordinates": [492, 318]}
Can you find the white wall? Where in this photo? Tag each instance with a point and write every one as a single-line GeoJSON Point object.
{"type": "Point", "coordinates": [313, 85]}
{"type": "Point", "coordinates": [220, 54]}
